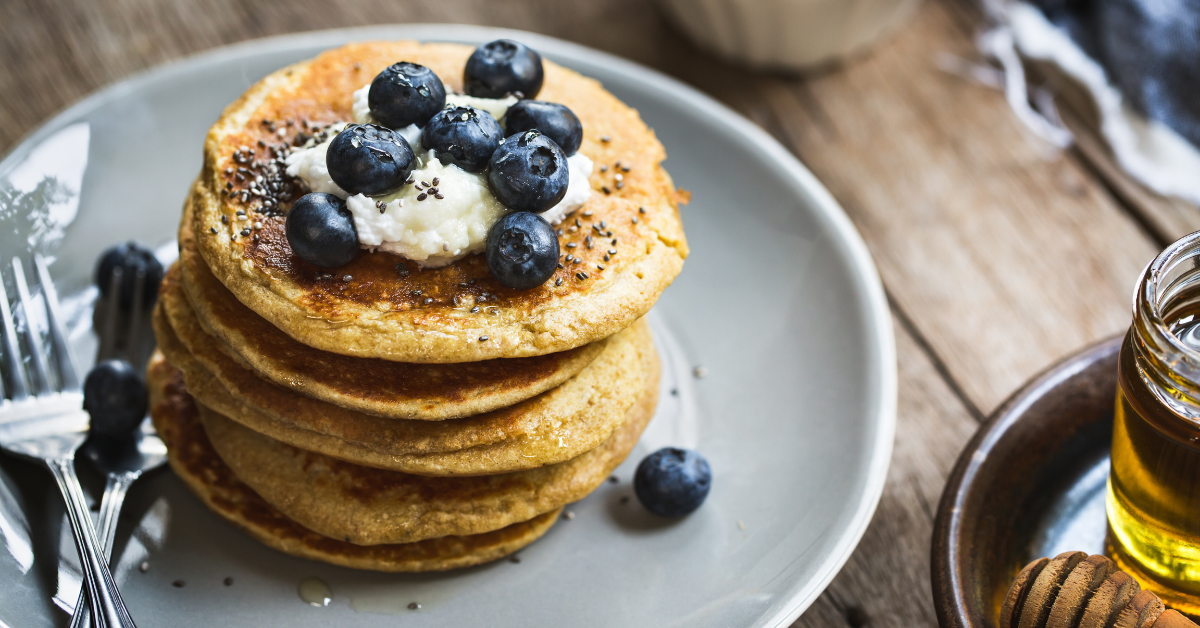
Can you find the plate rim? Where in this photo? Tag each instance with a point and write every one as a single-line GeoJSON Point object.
{"type": "Point", "coordinates": [877, 313]}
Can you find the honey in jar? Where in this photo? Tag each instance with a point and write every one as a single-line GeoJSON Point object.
{"type": "Point", "coordinates": [1153, 497]}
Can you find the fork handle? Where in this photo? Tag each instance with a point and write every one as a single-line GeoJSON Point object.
{"type": "Point", "coordinates": [108, 609]}
{"type": "Point", "coordinates": [106, 527]}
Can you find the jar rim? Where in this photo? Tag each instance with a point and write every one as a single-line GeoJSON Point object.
{"type": "Point", "coordinates": [1147, 297]}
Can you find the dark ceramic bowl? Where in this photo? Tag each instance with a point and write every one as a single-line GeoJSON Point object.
{"type": "Point", "coordinates": [1029, 484]}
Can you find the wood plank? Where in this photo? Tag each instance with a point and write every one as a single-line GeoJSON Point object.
{"type": "Point", "coordinates": [886, 582]}
{"type": "Point", "coordinates": [1005, 253]}
{"type": "Point", "coordinates": [58, 51]}
{"type": "Point", "coordinates": [1166, 218]}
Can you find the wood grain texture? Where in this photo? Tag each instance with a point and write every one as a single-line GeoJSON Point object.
{"type": "Point", "coordinates": [999, 255]}
{"type": "Point", "coordinates": [1006, 255]}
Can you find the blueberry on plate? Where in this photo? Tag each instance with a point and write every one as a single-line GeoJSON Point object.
{"type": "Point", "coordinates": [115, 397]}
{"type": "Point", "coordinates": [321, 230]}
{"type": "Point", "coordinates": [522, 250]}
{"type": "Point", "coordinates": [553, 120]}
{"type": "Point", "coordinates": [502, 67]}
{"type": "Point", "coordinates": [406, 93]}
{"type": "Point", "coordinates": [463, 136]}
{"type": "Point", "coordinates": [369, 159]}
{"type": "Point", "coordinates": [131, 258]}
{"type": "Point", "coordinates": [672, 482]}
{"type": "Point", "coordinates": [528, 172]}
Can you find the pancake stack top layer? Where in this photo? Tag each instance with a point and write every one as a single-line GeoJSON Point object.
{"type": "Point", "coordinates": [378, 305]}
{"type": "Point", "coordinates": [382, 416]}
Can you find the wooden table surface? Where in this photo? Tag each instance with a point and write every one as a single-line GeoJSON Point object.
{"type": "Point", "coordinates": [999, 254]}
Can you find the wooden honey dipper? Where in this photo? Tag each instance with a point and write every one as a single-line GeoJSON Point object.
{"type": "Point", "coordinates": [1074, 590]}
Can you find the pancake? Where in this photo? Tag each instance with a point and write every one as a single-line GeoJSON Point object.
{"type": "Point", "coordinates": [192, 458]}
{"type": "Point", "coordinates": [550, 428]}
{"type": "Point", "coordinates": [368, 506]}
{"type": "Point", "coordinates": [397, 390]}
{"type": "Point", "coordinates": [375, 306]}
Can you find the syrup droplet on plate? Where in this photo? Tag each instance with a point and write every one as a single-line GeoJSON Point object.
{"type": "Point", "coordinates": [315, 592]}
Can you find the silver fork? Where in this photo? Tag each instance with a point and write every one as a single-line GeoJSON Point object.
{"type": "Point", "coordinates": [124, 465]}
{"type": "Point", "coordinates": [40, 422]}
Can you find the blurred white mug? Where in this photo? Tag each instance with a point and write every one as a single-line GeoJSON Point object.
{"type": "Point", "coordinates": [787, 34]}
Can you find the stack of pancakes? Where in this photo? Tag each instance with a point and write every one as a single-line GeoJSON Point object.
{"type": "Point", "coordinates": [388, 417]}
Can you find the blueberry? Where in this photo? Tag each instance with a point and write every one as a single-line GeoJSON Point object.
{"type": "Point", "coordinates": [406, 93]}
{"type": "Point", "coordinates": [528, 172]}
{"type": "Point", "coordinates": [321, 230]}
{"type": "Point", "coordinates": [553, 120]}
{"type": "Point", "coordinates": [502, 67]}
{"type": "Point", "coordinates": [463, 136]}
{"type": "Point", "coordinates": [369, 159]}
{"type": "Point", "coordinates": [522, 250]}
{"type": "Point", "coordinates": [131, 258]}
{"type": "Point", "coordinates": [672, 482]}
{"type": "Point", "coordinates": [115, 397]}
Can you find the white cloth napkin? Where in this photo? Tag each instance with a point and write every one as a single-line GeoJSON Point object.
{"type": "Point", "coordinates": [1147, 149]}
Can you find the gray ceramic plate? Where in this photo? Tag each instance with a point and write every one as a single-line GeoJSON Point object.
{"type": "Point", "coordinates": [779, 303]}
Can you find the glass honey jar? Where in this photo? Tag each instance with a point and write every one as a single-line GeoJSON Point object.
{"type": "Point", "coordinates": [1153, 496]}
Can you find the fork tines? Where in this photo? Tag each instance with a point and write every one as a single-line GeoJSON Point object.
{"type": "Point", "coordinates": [18, 382]}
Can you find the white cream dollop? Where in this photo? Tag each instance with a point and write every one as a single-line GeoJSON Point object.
{"type": "Point", "coordinates": [579, 168]}
{"type": "Point", "coordinates": [308, 163]}
{"type": "Point", "coordinates": [433, 232]}
{"type": "Point", "coordinates": [495, 106]}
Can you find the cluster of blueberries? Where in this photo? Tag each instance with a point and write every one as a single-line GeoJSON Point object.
{"type": "Point", "coordinates": [525, 161]}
